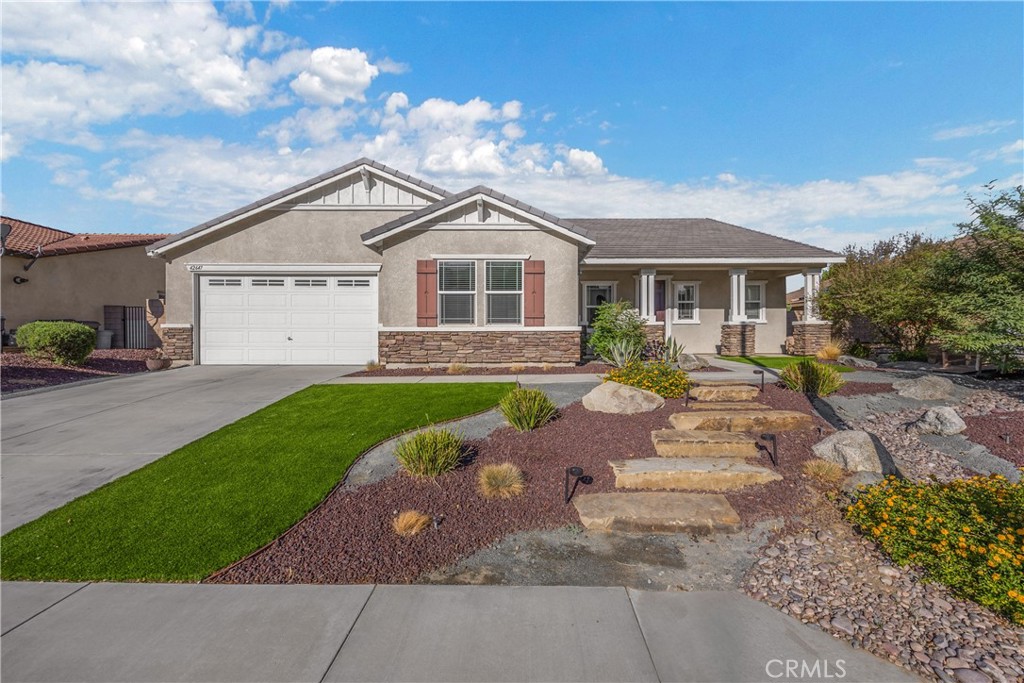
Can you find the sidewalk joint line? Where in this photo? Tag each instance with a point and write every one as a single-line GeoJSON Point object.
{"type": "Point", "coordinates": [643, 636]}
{"type": "Point", "coordinates": [348, 633]}
{"type": "Point", "coordinates": [88, 583]}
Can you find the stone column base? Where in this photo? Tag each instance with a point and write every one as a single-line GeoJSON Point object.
{"type": "Point", "coordinates": [738, 339]}
{"type": "Point", "coordinates": [655, 332]}
{"type": "Point", "coordinates": [810, 337]}
{"type": "Point", "coordinates": [177, 341]}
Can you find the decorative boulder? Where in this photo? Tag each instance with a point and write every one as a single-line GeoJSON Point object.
{"type": "Point", "coordinates": [853, 450]}
{"type": "Point", "coordinates": [689, 362]}
{"type": "Point", "coordinates": [612, 397]}
{"type": "Point", "coordinates": [927, 388]}
{"type": "Point", "coordinates": [854, 362]}
{"type": "Point", "coordinates": [942, 420]}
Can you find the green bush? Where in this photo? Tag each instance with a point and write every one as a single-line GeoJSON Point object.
{"type": "Point", "coordinates": [616, 322]}
{"type": "Point", "coordinates": [430, 453]}
{"type": "Point", "coordinates": [527, 409]}
{"type": "Point", "coordinates": [811, 378]}
{"type": "Point", "coordinates": [858, 349]}
{"type": "Point", "coordinates": [661, 378]}
{"type": "Point", "coordinates": [967, 534]}
{"type": "Point", "coordinates": [64, 343]}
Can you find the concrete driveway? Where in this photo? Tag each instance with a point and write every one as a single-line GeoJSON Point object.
{"type": "Point", "coordinates": [60, 444]}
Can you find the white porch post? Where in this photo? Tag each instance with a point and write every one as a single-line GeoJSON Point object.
{"type": "Point", "coordinates": [738, 295]}
{"type": "Point", "coordinates": [670, 307]}
{"type": "Point", "coordinates": [812, 284]}
{"type": "Point", "coordinates": [647, 294]}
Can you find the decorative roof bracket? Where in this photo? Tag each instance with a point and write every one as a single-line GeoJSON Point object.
{"type": "Point", "coordinates": [480, 210]}
{"type": "Point", "coordinates": [366, 178]}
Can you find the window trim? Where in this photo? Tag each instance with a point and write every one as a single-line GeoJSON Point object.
{"type": "Point", "coordinates": [611, 284]}
{"type": "Point", "coordinates": [696, 303]}
{"type": "Point", "coordinates": [762, 311]}
{"type": "Point", "coordinates": [440, 292]}
{"type": "Point", "coordinates": [521, 292]}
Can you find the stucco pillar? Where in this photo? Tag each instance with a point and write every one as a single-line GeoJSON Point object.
{"type": "Point", "coordinates": [812, 285]}
{"type": "Point", "coordinates": [647, 277]}
{"type": "Point", "coordinates": [738, 295]}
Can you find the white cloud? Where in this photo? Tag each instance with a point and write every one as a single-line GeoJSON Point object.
{"type": "Point", "coordinates": [512, 131]}
{"type": "Point", "coordinates": [973, 130]}
{"type": "Point", "coordinates": [390, 66]}
{"type": "Point", "coordinates": [548, 117]}
{"type": "Point", "coordinates": [1011, 153]}
{"type": "Point", "coordinates": [335, 75]}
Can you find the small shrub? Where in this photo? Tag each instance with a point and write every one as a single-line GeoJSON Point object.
{"type": "Point", "coordinates": [457, 369]}
{"type": "Point", "coordinates": [372, 366]}
{"type": "Point", "coordinates": [517, 368]}
{"type": "Point", "coordinates": [913, 355]}
{"type": "Point", "coordinates": [527, 409]}
{"type": "Point", "coordinates": [829, 352]}
{"type": "Point", "coordinates": [64, 343]}
{"type": "Point", "coordinates": [502, 481]}
{"type": "Point", "coordinates": [614, 322]}
{"type": "Point", "coordinates": [622, 352]}
{"type": "Point", "coordinates": [430, 453]}
{"type": "Point", "coordinates": [410, 522]}
{"type": "Point", "coordinates": [661, 378]}
{"type": "Point", "coordinates": [825, 471]}
{"type": "Point", "coordinates": [967, 534]}
{"type": "Point", "coordinates": [859, 349]}
{"type": "Point", "coordinates": [811, 378]}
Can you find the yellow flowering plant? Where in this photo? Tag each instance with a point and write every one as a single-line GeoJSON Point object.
{"type": "Point", "coordinates": [967, 534]}
{"type": "Point", "coordinates": [661, 378]}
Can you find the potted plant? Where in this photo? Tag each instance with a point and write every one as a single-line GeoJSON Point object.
{"type": "Point", "coordinates": [158, 360]}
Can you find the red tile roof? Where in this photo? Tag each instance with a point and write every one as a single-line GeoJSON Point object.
{"type": "Point", "coordinates": [27, 239]}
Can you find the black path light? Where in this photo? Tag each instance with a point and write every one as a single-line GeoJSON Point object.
{"type": "Point", "coordinates": [1006, 439]}
{"type": "Point", "coordinates": [760, 372]}
{"type": "Point", "coordinates": [576, 474]}
{"type": "Point", "coordinates": [773, 453]}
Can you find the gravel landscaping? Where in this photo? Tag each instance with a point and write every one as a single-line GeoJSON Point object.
{"type": "Point", "coordinates": [19, 372]}
{"type": "Point", "coordinates": [989, 431]}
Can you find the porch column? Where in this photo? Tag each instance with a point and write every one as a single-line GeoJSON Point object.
{"type": "Point", "coordinates": [738, 295]}
{"type": "Point", "coordinates": [647, 294]}
{"type": "Point", "coordinates": [812, 285]}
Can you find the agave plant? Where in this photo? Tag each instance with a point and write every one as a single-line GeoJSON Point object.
{"type": "Point", "coordinates": [621, 353]}
{"type": "Point", "coordinates": [671, 350]}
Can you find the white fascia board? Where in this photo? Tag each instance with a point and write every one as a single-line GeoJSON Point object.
{"type": "Point", "coordinates": [283, 200]}
{"type": "Point", "coordinates": [485, 328]}
{"type": "Point", "coordinates": [481, 257]}
{"type": "Point", "coordinates": [712, 261]}
{"type": "Point", "coordinates": [488, 199]}
{"type": "Point", "coordinates": [285, 268]}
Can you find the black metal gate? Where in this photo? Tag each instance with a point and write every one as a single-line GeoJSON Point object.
{"type": "Point", "coordinates": [135, 327]}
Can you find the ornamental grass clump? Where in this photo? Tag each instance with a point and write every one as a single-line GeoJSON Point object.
{"type": "Point", "coordinates": [829, 352]}
{"type": "Point", "coordinates": [430, 453]}
{"type": "Point", "coordinates": [661, 378]}
{"type": "Point", "coordinates": [811, 377]}
{"type": "Point", "coordinates": [64, 343]}
{"type": "Point", "coordinates": [967, 534]}
{"type": "Point", "coordinates": [502, 481]}
{"type": "Point", "coordinates": [410, 522]}
{"type": "Point", "coordinates": [527, 409]}
{"type": "Point", "coordinates": [824, 471]}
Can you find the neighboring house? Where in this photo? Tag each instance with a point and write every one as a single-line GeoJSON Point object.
{"type": "Point", "coordinates": [51, 274]}
{"type": "Point", "coordinates": [365, 263]}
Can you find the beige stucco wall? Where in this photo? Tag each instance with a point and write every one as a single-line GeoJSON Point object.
{"type": "Point", "coordinates": [78, 286]}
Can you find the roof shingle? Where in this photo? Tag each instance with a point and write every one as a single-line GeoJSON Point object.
{"type": "Point", "coordinates": [32, 239]}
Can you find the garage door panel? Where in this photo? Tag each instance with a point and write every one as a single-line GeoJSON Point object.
{"type": "Point", "coordinates": [234, 337]}
{"type": "Point", "coordinates": [267, 319]}
{"type": "Point", "coordinates": [307, 300]}
{"type": "Point", "coordinates": [266, 337]}
{"type": "Point", "coordinates": [267, 300]}
{"type": "Point", "coordinates": [226, 319]}
{"type": "Point", "coordinates": [310, 319]}
{"type": "Point", "coordinates": [220, 300]}
{"type": "Point", "coordinates": [258, 356]}
{"type": "Point", "coordinates": [302, 338]}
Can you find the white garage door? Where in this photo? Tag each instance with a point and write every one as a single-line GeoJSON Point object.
{"type": "Point", "coordinates": [287, 320]}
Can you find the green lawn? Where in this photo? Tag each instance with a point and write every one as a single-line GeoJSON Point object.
{"type": "Point", "coordinates": [219, 498]}
{"type": "Point", "coordinates": [777, 362]}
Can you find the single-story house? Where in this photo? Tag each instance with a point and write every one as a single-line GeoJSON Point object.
{"type": "Point", "coordinates": [368, 263]}
{"type": "Point", "coordinates": [51, 274]}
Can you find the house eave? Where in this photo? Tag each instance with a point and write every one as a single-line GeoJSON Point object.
{"type": "Point", "coordinates": [713, 261]}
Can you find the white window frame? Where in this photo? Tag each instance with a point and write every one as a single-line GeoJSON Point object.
{"type": "Point", "coordinates": [696, 303]}
{"type": "Point", "coordinates": [520, 292]}
{"type": "Point", "coordinates": [762, 315]}
{"type": "Point", "coordinates": [613, 296]}
{"type": "Point", "coordinates": [440, 264]}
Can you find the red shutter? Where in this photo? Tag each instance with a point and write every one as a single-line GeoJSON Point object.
{"type": "Point", "coordinates": [533, 293]}
{"type": "Point", "coordinates": [426, 293]}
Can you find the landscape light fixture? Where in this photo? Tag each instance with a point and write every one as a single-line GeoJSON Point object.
{"type": "Point", "coordinates": [686, 399]}
{"type": "Point", "coordinates": [773, 453]}
{"type": "Point", "coordinates": [1006, 439]}
{"type": "Point", "coordinates": [576, 473]}
{"type": "Point", "coordinates": [760, 372]}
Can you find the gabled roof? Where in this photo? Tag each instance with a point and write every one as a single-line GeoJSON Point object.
{"type": "Point", "coordinates": [456, 200]}
{"type": "Point", "coordinates": [279, 197]}
{"type": "Point", "coordinates": [32, 239]}
{"type": "Point", "coordinates": [691, 239]}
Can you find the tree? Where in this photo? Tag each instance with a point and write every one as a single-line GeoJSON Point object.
{"type": "Point", "coordinates": [886, 284]}
{"type": "Point", "coordinates": [978, 283]}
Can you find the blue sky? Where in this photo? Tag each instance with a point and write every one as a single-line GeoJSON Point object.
{"type": "Point", "coordinates": [825, 122]}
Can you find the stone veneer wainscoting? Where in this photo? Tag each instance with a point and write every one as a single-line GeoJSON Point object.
{"type": "Point", "coordinates": [810, 337]}
{"type": "Point", "coordinates": [441, 347]}
{"type": "Point", "coordinates": [177, 341]}
{"type": "Point", "coordinates": [738, 339]}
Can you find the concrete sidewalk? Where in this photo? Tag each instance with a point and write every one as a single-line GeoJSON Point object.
{"type": "Point", "coordinates": [178, 632]}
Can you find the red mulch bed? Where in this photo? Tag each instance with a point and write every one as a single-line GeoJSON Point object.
{"type": "Point", "coordinates": [862, 388]}
{"type": "Point", "coordinates": [349, 538]}
{"type": "Point", "coordinates": [988, 430]}
{"type": "Point", "coordinates": [19, 372]}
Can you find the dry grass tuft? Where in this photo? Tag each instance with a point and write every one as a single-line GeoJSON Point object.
{"type": "Point", "coordinates": [829, 352]}
{"type": "Point", "coordinates": [516, 368]}
{"type": "Point", "coordinates": [547, 367]}
{"type": "Point", "coordinates": [824, 471]}
{"type": "Point", "coordinates": [410, 522]}
{"type": "Point", "coordinates": [373, 365]}
{"type": "Point", "coordinates": [502, 481]}
{"type": "Point", "coordinates": [457, 369]}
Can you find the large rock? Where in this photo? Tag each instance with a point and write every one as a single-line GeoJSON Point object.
{"type": "Point", "coordinates": [612, 397]}
{"type": "Point", "coordinates": [853, 450]}
{"type": "Point", "coordinates": [927, 388]}
{"type": "Point", "coordinates": [689, 362]}
{"type": "Point", "coordinates": [941, 420]}
{"type": "Point", "coordinates": [854, 362]}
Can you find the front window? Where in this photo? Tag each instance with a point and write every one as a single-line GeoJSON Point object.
{"type": "Point", "coordinates": [687, 304]}
{"type": "Point", "coordinates": [593, 296]}
{"type": "Point", "coordinates": [456, 292]}
{"type": "Point", "coordinates": [504, 289]}
{"type": "Point", "coordinates": [755, 302]}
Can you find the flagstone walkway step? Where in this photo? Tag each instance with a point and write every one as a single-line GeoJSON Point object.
{"type": "Point", "coordinates": [704, 474]}
{"type": "Point", "coordinates": [657, 512]}
{"type": "Point", "coordinates": [728, 405]}
{"type": "Point", "coordinates": [719, 383]}
{"type": "Point", "coordinates": [743, 420]}
{"type": "Point", "coordinates": [724, 393]}
{"type": "Point", "coordinates": [673, 443]}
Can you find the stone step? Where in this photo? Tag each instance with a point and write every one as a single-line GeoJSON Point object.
{"type": "Point", "coordinates": [719, 383]}
{"type": "Point", "coordinates": [728, 405]}
{"type": "Point", "coordinates": [724, 393]}
{"type": "Point", "coordinates": [704, 474]}
{"type": "Point", "coordinates": [743, 420]}
{"type": "Point", "coordinates": [661, 512]}
{"type": "Point", "coordinates": [673, 443]}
